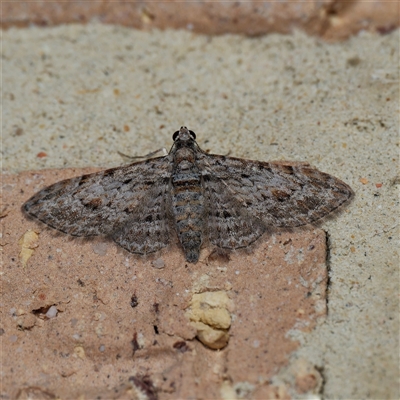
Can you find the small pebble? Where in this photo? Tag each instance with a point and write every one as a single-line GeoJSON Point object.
{"type": "Point", "coordinates": [159, 263]}
{"type": "Point", "coordinates": [52, 312]}
{"type": "Point", "coordinates": [100, 248]}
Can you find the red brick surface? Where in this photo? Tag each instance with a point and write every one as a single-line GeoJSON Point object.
{"type": "Point", "coordinates": [122, 324]}
{"type": "Point", "coordinates": [333, 20]}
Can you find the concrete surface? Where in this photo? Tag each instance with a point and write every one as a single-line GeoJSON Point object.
{"type": "Point", "coordinates": [74, 96]}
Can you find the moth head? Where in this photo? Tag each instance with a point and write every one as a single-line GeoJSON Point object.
{"type": "Point", "coordinates": [184, 134]}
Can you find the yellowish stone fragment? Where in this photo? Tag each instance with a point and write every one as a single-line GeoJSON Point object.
{"type": "Point", "coordinates": [28, 242]}
{"type": "Point", "coordinates": [210, 314]}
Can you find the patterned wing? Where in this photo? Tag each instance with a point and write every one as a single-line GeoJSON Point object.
{"type": "Point", "coordinates": [230, 225]}
{"type": "Point", "coordinates": [149, 229]}
{"type": "Point", "coordinates": [104, 203]}
{"type": "Point", "coordinates": [281, 194]}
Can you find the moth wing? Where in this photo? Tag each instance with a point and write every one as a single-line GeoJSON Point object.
{"type": "Point", "coordinates": [229, 225]}
{"type": "Point", "coordinates": [149, 228]}
{"type": "Point", "coordinates": [99, 203]}
{"type": "Point", "coordinates": [280, 194]}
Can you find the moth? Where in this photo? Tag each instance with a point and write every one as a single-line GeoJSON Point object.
{"type": "Point", "coordinates": [191, 197]}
